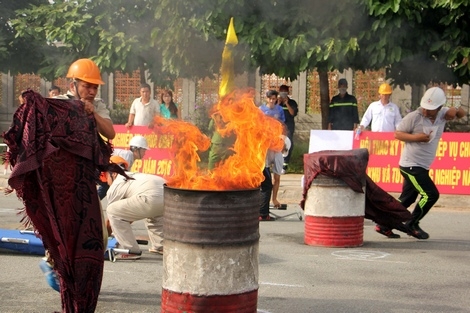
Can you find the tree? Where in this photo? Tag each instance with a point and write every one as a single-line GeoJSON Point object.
{"type": "Point", "coordinates": [22, 54]}
{"type": "Point", "coordinates": [184, 38]}
{"type": "Point", "coordinates": [112, 32]}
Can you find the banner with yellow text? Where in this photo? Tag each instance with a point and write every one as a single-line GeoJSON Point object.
{"type": "Point", "coordinates": [158, 160]}
{"type": "Point", "coordinates": [450, 170]}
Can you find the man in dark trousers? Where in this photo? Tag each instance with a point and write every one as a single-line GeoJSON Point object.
{"type": "Point", "coordinates": [343, 113]}
{"type": "Point", "coordinates": [291, 109]}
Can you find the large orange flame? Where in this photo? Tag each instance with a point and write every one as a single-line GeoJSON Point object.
{"type": "Point", "coordinates": [255, 133]}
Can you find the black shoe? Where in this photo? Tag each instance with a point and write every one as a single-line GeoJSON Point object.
{"type": "Point", "coordinates": [386, 232]}
{"type": "Point", "coordinates": [416, 231]}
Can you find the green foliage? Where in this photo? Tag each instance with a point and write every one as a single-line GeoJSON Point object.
{"type": "Point", "coordinates": [296, 164]}
{"type": "Point", "coordinates": [200, 116]}
{"type": "Point", "coordinates": [418, 40]}
{"type": "Point", "coordinates": [119, 113]}
{"type": "Point", "coordinates": [18, 54]}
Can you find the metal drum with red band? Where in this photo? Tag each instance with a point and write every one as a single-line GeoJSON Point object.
{"type": "Point", "coordinates": [210, 261]}
{"type": "Point", "coordinates": [334, 214]}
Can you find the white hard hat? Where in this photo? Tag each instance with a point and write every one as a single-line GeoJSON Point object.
{"type": "Point", "coordinates": [139, 142]}
{"type": "Point", "coordinates": [287, 145]}
{"type": "Point", "coordinates": [433, 98]}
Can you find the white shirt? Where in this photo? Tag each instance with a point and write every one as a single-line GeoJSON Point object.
{"type": "Point", "coordinates": [144, 113]}
{"type": "Point", "coordinates": [143, 184]}
{"type": "Point", "coordinates": [127, 155]}
{"type": "Point", "coordinates": [384, 118]}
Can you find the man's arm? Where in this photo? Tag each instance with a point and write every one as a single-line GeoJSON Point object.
{"type": "Point", "coordinates": [366, 118]}
{"type": "Point", "coordinates": [454, 112]}
{"type": "Point", "coordinates": [407, 137]}
{"type": "Point", "coordinates": [105, 126]}
{"type": "Point", "coordinates": [130, 120]}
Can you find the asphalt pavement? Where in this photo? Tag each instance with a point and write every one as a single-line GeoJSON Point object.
{"type": "Point", "coordinates": [403, 275]}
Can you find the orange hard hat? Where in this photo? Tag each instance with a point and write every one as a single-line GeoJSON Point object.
{"type": "Point", "coordinates": [86, 70]}
{"type": "Point", "coordinates": [385, 89]}
{"type": "Point", "coordinates": [119, 161]}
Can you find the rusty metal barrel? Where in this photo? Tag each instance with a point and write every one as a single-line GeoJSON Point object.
{"type": "Point", "coordinates": [334, 214]}
{"type": "Point", "coordinates": [210, 261]}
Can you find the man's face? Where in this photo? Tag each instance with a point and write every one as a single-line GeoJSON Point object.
{"type": "Point", "coordinates": [271, 101]}
{"type": "Point", "coordinates": [53, 93]}
{"type": "Point", "coordinates": [431, 114]}
{"type": "Point", "coordinates": [342, 89]}
{"type": "Point", "coordinates": [139, 153]}
{"type": "Point", "coordinates": [145, 94]}
{"type": "Point", "coordinates": [84, 90]}
{"type": "Point", "coordinates": [384, 98]}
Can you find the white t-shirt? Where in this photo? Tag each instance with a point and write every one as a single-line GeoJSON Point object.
{"type": "Point", "coordinates": [126, 155]}
{"type": "Point", "coordinates": [421, 154]}
{"type": "Point", "coordinates": [144, 113]}
{"type": "Point", "coordinates": [384, 118]}
{"type": "Point", "coordinates": [148, 185]}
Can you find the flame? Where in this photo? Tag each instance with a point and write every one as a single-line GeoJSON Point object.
{"type": "Point", "coordinates": [255, 133]}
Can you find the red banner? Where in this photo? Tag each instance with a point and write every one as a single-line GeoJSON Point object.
{"type": "Point", "coordinates": [157, 160]}
{"type": "Point", "coordinates": [450, 170]}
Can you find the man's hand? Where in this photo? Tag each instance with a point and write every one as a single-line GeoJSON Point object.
{"type": "Point", "coordinates": [423, 137]}
{"type": "Point", "coordinates": [89, 106]}
{"type": "Point", "coordinates": [128, 125]}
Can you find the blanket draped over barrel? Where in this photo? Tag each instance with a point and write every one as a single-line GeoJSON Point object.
{"type": "Point", "coordinates": [56, 154]}
{"type": "Point", "coordinates": [350, 166]}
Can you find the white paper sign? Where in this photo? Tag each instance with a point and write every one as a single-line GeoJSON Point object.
{"type": "Point", "coordinates": [321, 140]}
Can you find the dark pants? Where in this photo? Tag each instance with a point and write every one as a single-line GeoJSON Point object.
{"type": "Point", "coordinates": [417, 182]}
{"type": "Point", "coordinates": [266, 190]}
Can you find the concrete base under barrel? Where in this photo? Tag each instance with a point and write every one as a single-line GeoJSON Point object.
{"type": "Point", "coordinates": [211, 251]}
{"type": "Point", "coordinates": [334, 214]}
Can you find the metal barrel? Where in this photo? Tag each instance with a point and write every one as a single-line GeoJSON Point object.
{"type": "Point", "coordinates": [211, 239]}
{"type": "Point", "coordinates": [334, 214]}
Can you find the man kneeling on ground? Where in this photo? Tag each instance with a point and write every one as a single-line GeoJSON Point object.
{"type": "Point", "coordinates": [130, 200]}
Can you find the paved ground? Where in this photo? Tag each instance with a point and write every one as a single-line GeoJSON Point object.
{"type": "Point", "coordinates": [384, 275]}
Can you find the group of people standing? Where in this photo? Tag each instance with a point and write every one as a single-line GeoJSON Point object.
{"type": "Point", "coordinates": [144, 108]}
{"type": "Point", "coordinates": [420, 130]}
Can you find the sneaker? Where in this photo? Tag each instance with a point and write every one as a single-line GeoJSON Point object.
{"type": "Point", "coordinates": [386, 232]}
{"type": "Point", "coordinates": [417, 232]}
{"type": "Point", "coordinates": [126, 256]}
{"type": "Point", "coordinates": [266, 218]}
{"type": "Point", "coordinates": [51, 276]}
{"type": "Point", "coordinates": [158, 250]}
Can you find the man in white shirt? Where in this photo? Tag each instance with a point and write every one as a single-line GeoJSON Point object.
{"type": "Point", "coordinates": [130, 200]}
{"type": "Point", "coordinates": [384, 115]}
{"type": "Point", "coordinates": [143, 109]}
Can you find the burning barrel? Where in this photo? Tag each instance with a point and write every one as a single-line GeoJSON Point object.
{"type": "Point", "coordinates": [334, 214]}
{"type": "Point", "coordinates": [210, 262]}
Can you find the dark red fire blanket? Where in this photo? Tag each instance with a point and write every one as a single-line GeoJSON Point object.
{"type": "Point", "coordinates": [350, 166]}
{"type": "Point", "coordinates": [56, 154]}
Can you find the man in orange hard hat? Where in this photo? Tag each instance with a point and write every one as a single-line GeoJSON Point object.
{"type": "Point", "coordinates": [384, 116]}
{"type": "Point", "coordinates": [85, 78]}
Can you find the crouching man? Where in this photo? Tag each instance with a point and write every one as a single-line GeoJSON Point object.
{"type": "Point", "coordinates": [130, 200]}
